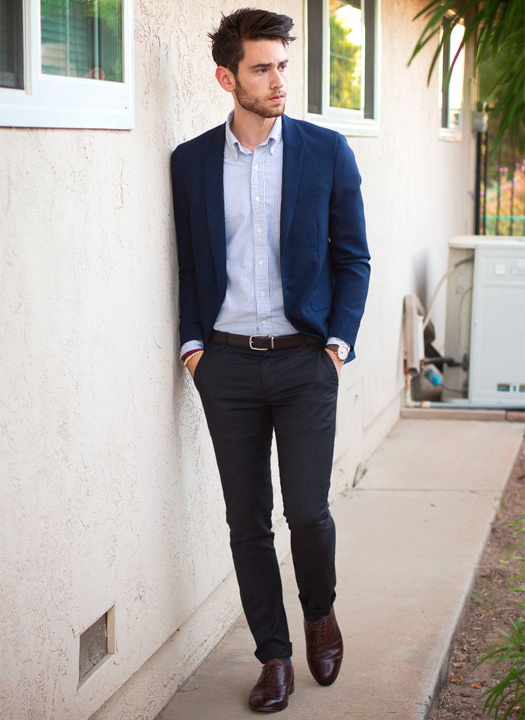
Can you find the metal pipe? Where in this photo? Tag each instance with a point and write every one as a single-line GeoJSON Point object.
{"type": "Point", "coordinates": [462, 405]}
{"type": "Point", "coordinates": [498, 211]}
{"type": "Point", "coordinates": [512, 190]}
{"type": "Point", "coordinates": [485, 175]}
{"type": "Point", "coordinates": [477, 194]}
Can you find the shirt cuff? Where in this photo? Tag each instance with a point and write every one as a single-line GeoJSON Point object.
{"type": "Point", "coordinates": [191, 345]}
{"type": "Point", "coordinates": [338, 341]}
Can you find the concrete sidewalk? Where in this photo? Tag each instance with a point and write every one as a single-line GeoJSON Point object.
{"type": "Point", "coordinates": [409, 538]}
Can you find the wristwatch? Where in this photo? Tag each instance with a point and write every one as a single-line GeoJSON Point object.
{"type": "Point", "coordinates": [341, 351]}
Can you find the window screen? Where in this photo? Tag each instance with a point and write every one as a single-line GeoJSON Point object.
{"type": "Point", "coordinates": [82, 38]}
{"type": "Point", "coordinates": [11, 44]}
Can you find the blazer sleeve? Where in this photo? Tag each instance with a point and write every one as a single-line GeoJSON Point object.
{"type": "Point", "coordinates": [349, 253]}
{"type": "Point", "coordinates": [190, 327]}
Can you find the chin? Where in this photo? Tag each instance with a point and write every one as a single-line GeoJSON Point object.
{"type": "Point", "coordinates": [275, 112]}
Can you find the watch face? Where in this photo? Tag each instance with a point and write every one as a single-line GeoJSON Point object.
{"type": "Point", "coordinates": [342, 352]}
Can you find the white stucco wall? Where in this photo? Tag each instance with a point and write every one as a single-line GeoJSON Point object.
{"type": "Point", "coordinates": [417, 190]}
{"type": "Point", "coordinates": [110, 492]}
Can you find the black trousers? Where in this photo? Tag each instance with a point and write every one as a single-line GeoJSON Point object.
{"type": "Point", "coordinates": [246, 395]}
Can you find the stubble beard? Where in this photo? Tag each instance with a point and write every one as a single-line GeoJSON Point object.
{"type": "Point", "coordinates": [254, 105]}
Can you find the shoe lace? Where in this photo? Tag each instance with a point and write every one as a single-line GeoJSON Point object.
{"type": "Point", "coordinates": [320, 632]}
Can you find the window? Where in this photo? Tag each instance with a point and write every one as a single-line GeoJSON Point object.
{"type": "Point", "coordinates": [82, 39]}
{"type": "Point", "coordinates": [342, 49]}
{"type": "Point", "coordinates": [66, 63]}
{"type": "Point", "coordinates": [11, 29]}
{"type": "Point", "coordinates": [451, 94]}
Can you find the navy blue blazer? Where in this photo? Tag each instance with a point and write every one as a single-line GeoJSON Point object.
{"type": "Point", "coordinates": [324, 254]}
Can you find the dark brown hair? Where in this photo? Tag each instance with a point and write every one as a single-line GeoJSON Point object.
{"type": "Point", "coordinates": [247, 24]}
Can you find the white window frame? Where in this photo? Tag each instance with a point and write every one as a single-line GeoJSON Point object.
{"type": "Point", "coordinates": [348, 122]}
{"type": "Point", "coordinates": [452, 134]}
{"type": "Point", "coordinates": [54, 101]}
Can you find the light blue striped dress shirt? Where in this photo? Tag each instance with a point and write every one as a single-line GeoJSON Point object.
{"type": "Point", "coordinates": [253, 304]}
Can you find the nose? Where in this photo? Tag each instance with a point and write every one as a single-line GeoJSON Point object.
{"type": "Point", "coordinates": [276, 79]}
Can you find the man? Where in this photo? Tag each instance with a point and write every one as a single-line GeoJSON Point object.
{"type": "Point", "coordinates": [273, 268]}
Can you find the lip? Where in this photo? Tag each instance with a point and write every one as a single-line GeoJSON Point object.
{"type": "Point", "coordinates": [277, 98]}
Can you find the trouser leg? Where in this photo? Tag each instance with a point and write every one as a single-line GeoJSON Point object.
{"type": "Point", "coordinates": [304, 402]}
{"type": "Point", "coordinates": [240, 424]}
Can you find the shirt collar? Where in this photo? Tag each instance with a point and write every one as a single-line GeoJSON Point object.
{"type": "Point", "coordinates": [272, 140]}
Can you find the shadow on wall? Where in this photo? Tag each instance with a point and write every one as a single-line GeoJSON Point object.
{"type": "Point", "coordinates": [420, 264]}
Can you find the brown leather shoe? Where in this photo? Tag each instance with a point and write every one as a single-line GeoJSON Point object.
{"type": "Point", "coordinates": [273, 687]}
{"type": "Point", "coordinates": [324, 648]}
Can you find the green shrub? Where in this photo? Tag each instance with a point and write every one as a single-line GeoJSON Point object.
{"type": "Point", "coordinates": [506, 699]}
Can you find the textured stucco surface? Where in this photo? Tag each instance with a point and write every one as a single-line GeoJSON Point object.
{"type": "Point", "coordinates": [110, 493]}
{"type": "Point", "coordinates": [417, 190]}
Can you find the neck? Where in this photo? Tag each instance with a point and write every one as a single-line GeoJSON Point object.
{"type": "Point", "coordinates": [249, 128]}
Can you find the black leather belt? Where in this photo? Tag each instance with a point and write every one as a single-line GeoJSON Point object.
{"type": "Point", "coordinates": [264, 342]}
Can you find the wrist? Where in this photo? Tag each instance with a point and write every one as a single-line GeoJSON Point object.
{"type": "Point", "coordinates": [190, 345]}
{"type": "Point", "coordinates": [341, 352]}
{"type": "Point", "coordinates": [191, 354]}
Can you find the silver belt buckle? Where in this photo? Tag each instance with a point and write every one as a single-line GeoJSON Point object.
{"type": "Point", "coordinates": [266, 337]}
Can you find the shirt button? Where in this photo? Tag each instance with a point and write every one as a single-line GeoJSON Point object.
{"type": "Point", "coordinates": [259, 231]}
{"type": "Point", "coordinates": [263, 294]}
{"type": "Point", "coordinates": [257, 199]}
{"type": "Point", "coordinates": [255, 167]}
{"type": "Point", "coordinates": [264, 322]}
{"type": "Point", "coordinates": [260, 262]}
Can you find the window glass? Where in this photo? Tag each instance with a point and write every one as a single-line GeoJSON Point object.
{"type": "Point", "coordinates": [82, 38]}
{"type": "Point", "coordinates": [315, 56]}
{"type": "Point", "coordinates": [11, 44]}
{"type": "Point", "coordinates": [452, 96]}
{"type": "Point", "coordinates": [455, 93]}
{"type": "Point", "coordinates": [342, 48]}
{"type": "Point", "coordinates": [346, 45]}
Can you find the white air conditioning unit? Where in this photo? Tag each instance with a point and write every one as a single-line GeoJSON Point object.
{"type": "Point", "coordinates": [486, 322]}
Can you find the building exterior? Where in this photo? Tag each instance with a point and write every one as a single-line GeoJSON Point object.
{"type": "Point", "coordinates": [112, 506]}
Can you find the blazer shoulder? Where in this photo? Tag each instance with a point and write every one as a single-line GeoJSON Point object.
{"type": "Point", "coordinates": [319, 139]}
{"type": "Point", "coordinates": [310, 130]}
{"type": "Point", "coordinates": [209, 139]}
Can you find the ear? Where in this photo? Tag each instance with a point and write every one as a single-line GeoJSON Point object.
{"type": "Point", "coordinates": [225, 78]}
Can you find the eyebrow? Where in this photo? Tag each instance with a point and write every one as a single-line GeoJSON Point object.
{"type": "Point", "coordinates": [259, 66]}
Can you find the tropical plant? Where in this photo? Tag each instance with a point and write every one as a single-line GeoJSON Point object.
{"type": "Point", "coordinates": [497, 30]}
{"type": "Point", "coordinates": [506, 698]}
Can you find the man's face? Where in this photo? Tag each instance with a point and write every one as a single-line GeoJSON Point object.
{"type": "Point", "coordinates": [260, 82]}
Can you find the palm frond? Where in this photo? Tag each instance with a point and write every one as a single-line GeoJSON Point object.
{"type": "Point", "coordinates": [496, 28]}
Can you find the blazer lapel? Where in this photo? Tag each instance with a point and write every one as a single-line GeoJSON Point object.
{"type": "Point", "coordinates": [214, 183]}
{"type": "Point", "coordinates": [292, 167]}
